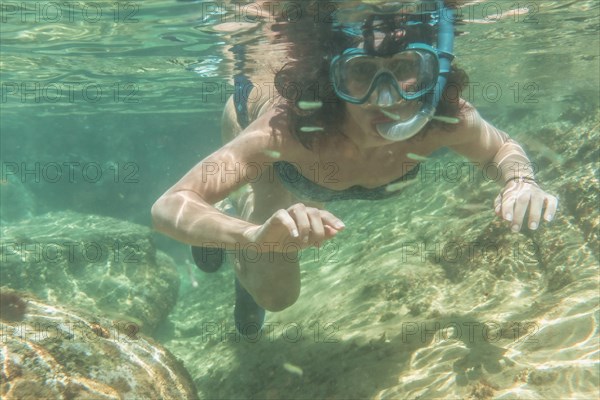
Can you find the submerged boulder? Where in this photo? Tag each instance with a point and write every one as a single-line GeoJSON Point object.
{"type": "Point", "coordinates": [102, 265]}
{"type": "Point", "coordinates": [51, 352]}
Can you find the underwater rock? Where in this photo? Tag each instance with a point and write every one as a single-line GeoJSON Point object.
{"type": "Point", "coordinates": [55, 353]}
{"type": "Point", "coordinates": [574, 177]}
{"type": "Point", "coordinates": [102, 265]}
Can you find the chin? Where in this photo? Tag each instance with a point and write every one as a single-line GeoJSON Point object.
{"type": "Point", "coordinates": [373, 138]}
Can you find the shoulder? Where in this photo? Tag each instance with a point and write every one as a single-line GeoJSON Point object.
{"type": "Point", "coordinates": [267, 139]}
{"type": "Point", "coordinates": [469, 116]}
{"type": "Point", "coordinates": [468, 127]}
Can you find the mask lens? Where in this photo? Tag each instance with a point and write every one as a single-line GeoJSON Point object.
{"type": "Point", "coordinates": [411, 72]}
{"type": "Point", "coordinates": [359, 75]}
{"type": "Point", "coordinates": [414, 71]}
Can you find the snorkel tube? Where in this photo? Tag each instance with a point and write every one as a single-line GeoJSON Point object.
{"type": "Point", "coordinates": [403, 130]}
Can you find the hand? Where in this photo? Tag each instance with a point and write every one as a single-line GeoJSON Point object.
{"type": "Point", "coordinates": [304, 226]}
{"type": "Point", "coordinates": [519, 196]}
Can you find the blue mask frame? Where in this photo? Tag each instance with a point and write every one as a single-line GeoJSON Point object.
{"type": "Point", "coordinates": [379, 78]}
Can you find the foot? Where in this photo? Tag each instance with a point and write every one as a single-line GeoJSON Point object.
{"type": "Point", "coordinates": [208, 259]}
{"type": "Point", "coordinates": [249, 316]}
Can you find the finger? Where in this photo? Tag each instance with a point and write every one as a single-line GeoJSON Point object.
{"type": "Point", "coordinates": [520, 209]}
{"type": "Point", "coordinates": [330, 232]}
{"type": "Point", "coordinates": [283, 218]}
{"type": "Point", "coordinates": [498, 205]}
{"type": "Point", "coordinates": [331, 220]}
{"type": "Point", "coordinates": [298, 213]}
{"type": "Point", "coordinates": [317, 231]}
{"type": "Point", "coordinates": [535, 211]}
{"type": "Point", "coordinates": [551, 206]}
{"type": "Point", "coordinates": [508, 205]}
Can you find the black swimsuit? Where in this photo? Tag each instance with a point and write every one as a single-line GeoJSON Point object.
{"type": "Point", "coordinates": [304, 188]}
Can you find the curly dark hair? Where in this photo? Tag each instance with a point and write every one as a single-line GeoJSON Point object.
{"type": "Point", "coordinates": [313, 42]}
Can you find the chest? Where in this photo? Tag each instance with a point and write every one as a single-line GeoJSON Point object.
{"type": "Point", "coordinates": [338, 170]}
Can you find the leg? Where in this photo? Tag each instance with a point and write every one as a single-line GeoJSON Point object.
{"type": "Point", "coordinates": [272, 279]}
{"type": "Point", "coordinates": [210, 259]}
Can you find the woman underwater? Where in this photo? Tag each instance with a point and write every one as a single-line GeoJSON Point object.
{"type": "Point", "coordinates": [386, 97]}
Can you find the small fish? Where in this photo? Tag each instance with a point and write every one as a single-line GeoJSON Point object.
{"type": "Point", "coordinates": [309, 105]}
{"type": "Point", "coordinates": [473, 207]}
{"type": "Point", "coordinates": [482, 21]}
{"type": "Point", "coordinates": [432, 217]}
{"type": "Point", "coordinates": [516, 12]}
{"type": "Point", "coordinates": [417, 157]}
{"type": "Point", "coordinates": [388, 114]}
{"type": "Point", "coordinates": [309, 129]}
{"type": "Point", "coordinates": [544, 150]}
{"type": "Point", "coordinates": [190, 271]}
{"type": "Point", "coordinates": [448, 120]}
{"type": "Point", "coordinates": [172, 38]}
{"type": "Point", "coordinates": [273, 154]}
{"type": "Point", "coordinates": [119, 318]}
{"type": "Point", "coordinates": [293, 369]}
{"type": "Point", "coordinates": [394, 187]}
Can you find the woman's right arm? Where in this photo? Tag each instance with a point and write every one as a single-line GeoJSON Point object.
{"type": "Point", "coordinates": [185, 211]}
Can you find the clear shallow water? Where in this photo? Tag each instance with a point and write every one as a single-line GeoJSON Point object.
{"type": "Point", "coordinates": [131, 89]}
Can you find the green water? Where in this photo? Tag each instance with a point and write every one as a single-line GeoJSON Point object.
{"type": "Point", "coordinates": [101, 113]}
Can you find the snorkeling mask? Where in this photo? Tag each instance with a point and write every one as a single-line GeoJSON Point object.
{"type": "Point", "coordinates": [412, 73]}
{"type": "Point", "coordinates": [417, 71]}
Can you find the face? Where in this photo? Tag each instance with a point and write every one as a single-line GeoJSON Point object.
{"type": "Point", "coordinates": [382, 80]}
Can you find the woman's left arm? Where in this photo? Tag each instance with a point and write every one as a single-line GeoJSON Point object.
{"type": "Point", "coordinates": [483, 143]}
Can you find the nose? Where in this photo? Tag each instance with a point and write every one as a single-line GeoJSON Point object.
{"type": "Point", "coordinates": [385, 95]}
